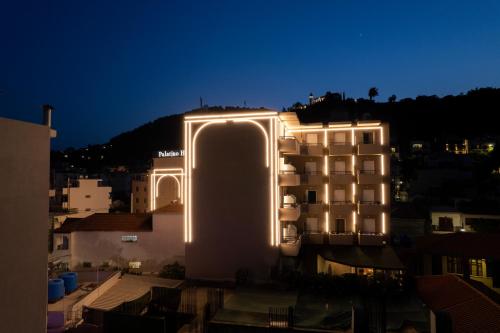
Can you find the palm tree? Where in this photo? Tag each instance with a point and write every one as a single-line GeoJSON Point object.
{"type": "Point", "coordinates": [372, 92]}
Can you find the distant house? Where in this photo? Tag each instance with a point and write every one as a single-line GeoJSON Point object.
{"type": "Point", "coordinates": [149, 241]}
{"type": "Point", "coordinates": [450, 219]}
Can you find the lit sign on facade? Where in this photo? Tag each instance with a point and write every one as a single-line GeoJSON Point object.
{"type": "Point", "coordinates": [171, 153]}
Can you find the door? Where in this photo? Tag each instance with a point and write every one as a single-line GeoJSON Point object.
{"type": "Point", "coordinates": [340, 226]}
{"type": "Point", "coordinates": [311, 196]}
{"type": "Point", "coordinates": [369, 226]}
{"type": "Point", "coordinates": [310, 168]}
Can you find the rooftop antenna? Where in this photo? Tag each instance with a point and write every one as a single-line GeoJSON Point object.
{"type": "Point", "coordinates": [201, 103]}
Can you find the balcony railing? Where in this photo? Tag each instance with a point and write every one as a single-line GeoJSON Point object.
{"type": "Point", "coordinates": [312, 149]}
{"type": "Point", "coordinates": [288, 145]}
{"type": "Point", "coordinates": [345, 238]}
{"type": "Point", "coordinates": [340, 148]}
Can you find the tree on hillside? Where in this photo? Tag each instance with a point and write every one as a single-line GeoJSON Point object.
{"type": "Point", "coordinates": [392, 99]}
{"type": "Point", "coordinates": [372, 92]}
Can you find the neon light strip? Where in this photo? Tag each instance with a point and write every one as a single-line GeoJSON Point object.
{"type": "Point", "coordinates": [272, 202]}
{"type": "Point", "coordinates": [157, 187]}
{"type": "Point", "coordinates": [190, 236]}
{"type": "Point", "coordinates": [382, 166]}
{"type": "Point", "coordinates": [232, 115]}
{"type": "Point", "coordinates": [369, 124]}
{"type": "Point", "coordinates": [232, 119]}
{"type": "Point", "coordinates": [171, 169]}
{"type": "Point", "coordinates": [325, 173]}
{"type": "Point", "coordinates": [339, 125]}
{"type": "Point", "coordinates": [353, 221]}
{"type": "Point", "coordinates": [263, 131]}
{"type": "Point", "coordinates": [335, 129]}
{"type": "Point", "coordinates": [186, 200]}
{"type": "Point", "coordinates": [196, 136]}
{"type": "Point", "coordinates": [276, 171]}
{"type": "Point", "coordinates": [383, 223]}
{"type": "Point", "coordinates": [151, 192]}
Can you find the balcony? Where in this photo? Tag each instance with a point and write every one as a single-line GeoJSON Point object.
{"type": "Point", "coordinates": [367, 177]}
{"type": "Point", "coordinates": [371, 239]}
{"type": "Point", "coordinates": [289, 213]}
{"type": "Point", "coordinates": [288, 178]}
{"type": "Point", "coordinates": [341, 177]}
{"type": "Point", "coordinates": [314, 238]}
{"type": "Point", "coordinates": [288, 145]}
{"type": "Point", "coordinates": [314, 208]}
{"type": "Point", "coordinates": [341, 238]}
{"type": "Point", "coordinates": [291, 247]}
{"type": "Point", "coordinates": [313, 178]}
{"type": "Point", "coordinates": [370, 207]}
{"type": "Point", "coordinates": [340, 148]}
{"type": "Point", "coordinates": [312, 149]}
{"type": "Point", "coordinates": [342, 207]}
{"type": "Point", "coordinates": [370, 149]}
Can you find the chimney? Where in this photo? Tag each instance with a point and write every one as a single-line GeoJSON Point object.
{"type": "Point", "coordinates": [47, 115]}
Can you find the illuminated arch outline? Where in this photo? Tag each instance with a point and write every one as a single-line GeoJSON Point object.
{"type": "Point", "coordinates": [157, 175]}
{"type": "Point", "coordinates": [271, 163]}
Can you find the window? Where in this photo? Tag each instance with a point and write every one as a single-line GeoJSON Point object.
{"type": "Point", "coordinates": [340, 226]}
{"type": "Point", "coordinates": [445, 223]}
{"type": "Point", "coordinates": [339, 167]}
{"type": "Point", "coordinates": [476, 267]}
{"type": "Point", "coordinates": [454, 265]}
{"type": "Point", "coordinates": [129, 238]}
{"type": "Point", "coordinates": [339, 138]}
{"type": "Point", "coordinates": [368, 196]}
{"type": "Point", "coordinates": [339, 196]}
{"type": "Point", "coordinates": [369, 167]}
{"type": "Point", "coordinates": [87, 196]}
{"type": "Point", "coordinates": [311, 196]}
{"type": "Point", "coordinates": [312, 138]}
{"type": "Point", "coordinates": [312, 225]}
{"type": "Point", "coordinates": [367, 137]}
{"type": "Point", "coordinates": [368, 226]}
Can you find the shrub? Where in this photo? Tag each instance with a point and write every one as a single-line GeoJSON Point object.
{"type": "Point", "coordinates": [173, 271]}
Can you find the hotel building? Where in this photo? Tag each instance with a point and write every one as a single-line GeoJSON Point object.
{"type": "Point", "coordinates": [258, 182]}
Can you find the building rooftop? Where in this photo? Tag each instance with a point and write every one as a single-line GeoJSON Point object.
{"type": "Point", "coordinates": [108, 222]}
{"type": "Point", "coordinates": [470, 310]}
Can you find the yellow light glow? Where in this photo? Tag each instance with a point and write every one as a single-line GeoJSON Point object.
{"type": "Point", "coordinates": [276, 171]}
{"type": "Point", "coordinates": [353, 165]}
{"type": "Point", "coordinates": [186, 200]}
{"type": "Point", "coordinates": [233, 115]}
{"type": "Point", "coordinates": [272, 202]}
{"type": "Point", "coordinates": [353, 137]}
{"type": "Point", "coordinates": [179, 190]}
{"type": "Point", "coordinates": [381, 136]}
{"type": "Point", "coordinates": [325, 173]}
{"type": "Point", "coordinates": [353, 192]}
{"type": "Point", "coordinates": [259, 125]}
{"type": "Point", "coordinates": [190, 236]}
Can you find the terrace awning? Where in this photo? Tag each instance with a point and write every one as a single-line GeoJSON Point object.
{"type": "Point", "coordinates": [363, 256]}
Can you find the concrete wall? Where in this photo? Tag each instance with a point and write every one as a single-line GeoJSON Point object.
{"type": "Point", "coordinates": [163, 245]}
{"type": "Point", "coordinates": [24, 213]}
{"type": "Point", "coordinates": [230, 204]}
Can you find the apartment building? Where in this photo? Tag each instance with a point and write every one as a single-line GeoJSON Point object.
{"type": "Point", "coordinates": [85, 196]}
{"type": "Point", "coordinates": [258, 182]}
{"type": "Point", "coordinates": [24, 211]}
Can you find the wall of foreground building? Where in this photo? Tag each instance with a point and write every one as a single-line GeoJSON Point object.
{"type": "Point", "coordinates": [154, 249]}
{"type": "Point", "coordinates": [24, 213]}
{"type": "Point", "coordinates": [230, 204]}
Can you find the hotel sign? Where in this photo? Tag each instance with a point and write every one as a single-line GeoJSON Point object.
{"type": "Point", "coordinates": [171, 153]}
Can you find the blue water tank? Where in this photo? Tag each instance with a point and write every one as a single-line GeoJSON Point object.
{"type": "Point", "coordinates": [70, 281]}
{"type": "Point", "coordinates": [56, 290]}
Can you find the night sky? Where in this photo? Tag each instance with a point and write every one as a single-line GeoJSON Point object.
{"type": "Point", "coordinates": [109, 66]}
